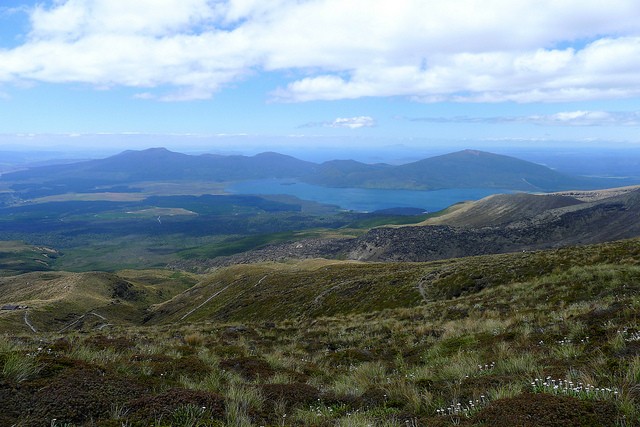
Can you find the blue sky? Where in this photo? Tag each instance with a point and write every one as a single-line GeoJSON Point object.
{"type": "Point", "coordinates": [242, 75]}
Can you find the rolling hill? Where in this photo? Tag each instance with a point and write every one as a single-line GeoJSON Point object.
{"type": "Point", "coordinates": [501, 208]}
{"type": "Point", "coordinates": [59, 301]}
{"type": "Point", "coordinates": [308, 289]}
{"type": "Point", "coordinates": [321, 288]}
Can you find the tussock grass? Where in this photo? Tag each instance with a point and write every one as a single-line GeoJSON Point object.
{"type": "Point", "coordinates": [239, 400]}
{"type": "Point", "coordinates": [569, 315]}
{"type": "Point", "coordinates": [20, 367]}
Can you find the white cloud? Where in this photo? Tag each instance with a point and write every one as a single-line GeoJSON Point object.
{"type": "Point", "coordinates": [353, 122]}
{"type": "Point", "coordinates": [79, 18]}
{"type": "Point", "coordinates": [604, 69]}
{"type": "Point", "coordinates": [428, 50]}
{"type": "Point", "coordinates": [564, 118]}
{"type": "Point", "coordinates": [345, 122]}
{"type": "Point", "coordinates": [588, 118]}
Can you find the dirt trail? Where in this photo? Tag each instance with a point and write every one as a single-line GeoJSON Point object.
{"type": "Point", "coordinates": [423, 294]}
{"type": "Point", "coordinates": [260, 281]}
{"type": "Point", "coordinates": [206, 301]}
{"type": "Point", "coordinates": [80, 318]}
{"type": "Point", "coordinates": [26, 321]}
{"type": "Point", "coordinates": [427, 280]}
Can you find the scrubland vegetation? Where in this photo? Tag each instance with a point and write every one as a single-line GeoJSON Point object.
{"type": "Point", "coordinates": [529, 339]}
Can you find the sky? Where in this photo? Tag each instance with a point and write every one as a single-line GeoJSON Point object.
{"type": "Point", "coordinates": [242, 75]}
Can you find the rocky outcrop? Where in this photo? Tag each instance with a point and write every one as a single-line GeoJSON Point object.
{"type": "Point", "coordinates": [302, 249]}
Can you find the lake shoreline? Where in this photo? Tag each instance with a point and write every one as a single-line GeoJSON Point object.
{"type": "Point", "coordinates": [363, 199]}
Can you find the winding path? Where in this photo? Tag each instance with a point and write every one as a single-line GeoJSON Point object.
{"type": "Point", "coordinates": [423, 294]}
{"type": "Point", "coordinates": [429, 278]}
{"type": "Point", "coordinates": [26, 321]}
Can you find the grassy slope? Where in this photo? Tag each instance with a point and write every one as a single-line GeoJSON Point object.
{"type": "Point", "coordinates": [505, 208]}
{"type": "Point", "coordinates": [57, 299]}
{"type": "Point", "coordinates": [306, 289]}
{"type": "Point", "coordinates": [331, 288]}
{"type": "Point", "coordinates": [369, 351]}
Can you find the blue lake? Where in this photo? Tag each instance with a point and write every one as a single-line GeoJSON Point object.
{"type": "Point", "coordinates": [363, 199]}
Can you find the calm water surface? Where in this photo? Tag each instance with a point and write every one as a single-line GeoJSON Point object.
{"type": "Point", "coordinates": [363, 199]}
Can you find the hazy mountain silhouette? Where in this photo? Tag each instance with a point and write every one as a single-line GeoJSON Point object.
{"type": "Point", "coordinates": [463, 169]}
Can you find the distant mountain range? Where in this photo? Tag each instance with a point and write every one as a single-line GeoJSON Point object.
{"type": "Point", "coordinates": [463, 169]}
{"type": "Point", "coordinates": [156, 164]}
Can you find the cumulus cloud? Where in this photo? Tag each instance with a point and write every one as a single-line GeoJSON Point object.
{"type": "Point", "coordinates": [427, 50]}
{"type": "Point", "coordinates": [565, 118]}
